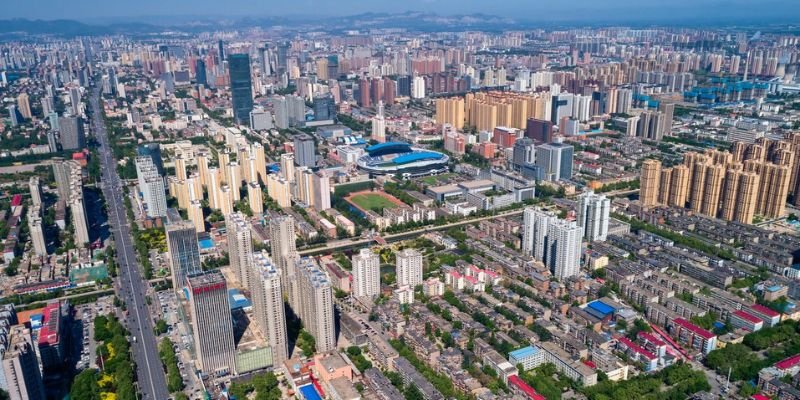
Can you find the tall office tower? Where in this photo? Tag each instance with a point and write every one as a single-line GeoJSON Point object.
{"type": "Point", "coordinates": [255, 198]}
{"type": "Point", "coordinates": [534, 232]}
{"type": "Point", "coordinates": [324, 108]}
{"type": "Point", "coordinates": [195, 213]}
{"type": "Point", "coordinates": [184, 249]}
{"type": "Point", "coordinates": [409, 268]}
{"type": "Point", "coordinates": [261, 162]}
{"type": "Point", "coordinates": [282, 57]}
{"type": "Point", "coordinates": [305, 152]}
{"type": "Point", "coordinates": [212, 323]}
{"type": "Point", "coordinates": [366, 274]}
{"type": "Point", "coordinates": [664, 183]}
{"type": "Point", "coordinates": [316, 307]}
{"type": "Point", "coordinates": [180, 167]}
{"type": "Point", "coordinates": [75, 100]}
{"type": "Point", "coordinates": [20, 362]}
{"type": "Point", "coordinates": [221, 51]}
{"type": "Point", "coordinates": [649, 182]}
{"type": "Point", "coordinates": [241, 87]}
{"type": "Point", "coordinates": [240, 247]}
{"type": "Point", "coordinates": [153, 151]}
{"type": "Point", "coordinates": [564, 248]}
{"type": "Point", "coordinates": [48, 105]}
{"type": "Point", "coordinates": [746, 197]}
{"type": "Point", "coordinates": [322, 191]}
{"type": "Point", "coordinates": [234, 179]}
{"type": "Point", "coordinates": [555, 159]}
{"type": "Point", "coordinates": [450, 111]}
{"type": "Point", "coordinates": [287, 166]}
{"type": "Point", "coordinates": [225, 200]}
{"type": "Point", "coordinates": [13, 115]}
{"type": "Point", "coordinates": [36, 190]}
{"type": "Point", "coordinates": [268, 307]}
{"type": "Point", "coordinates": [668, 111]}
{"type": "Point", "coordinates": [36, 230]}
{"type": "Point", "coordinates": [364, 98]}
{"type": "Point", "coordinates": [679, 186]}
{"type": "Point", "coordinates": [593, 214]}
{"type": "Point", "coordinates": [715, 175]}
{"type": "Point", "coordinates": [524, 153]}
{"type": "Point", "coordinates": [379, 125]}
{"type": "Point", "coordinates": [200, 76]}
{"type": "Point", "coordinates": [151, 185]}
{"type": "Point", "coordinates": [24, 105]}
{"type": "Point", "coordinates": [72, 135]}
{"type": "Point", "coordinates": [279, 189]}
{"type": "Point", "coordinates": [284, 253]}
{"type": "Point", "coordinates": [698, 184]}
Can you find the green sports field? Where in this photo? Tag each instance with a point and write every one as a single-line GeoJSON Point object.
{"type": "Point", "coordinates": [374, 202]}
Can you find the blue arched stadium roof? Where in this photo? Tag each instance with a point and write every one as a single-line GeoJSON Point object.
{"type": "Point", "coordinates": [388, 148]}
{"type": "Point", "coordinates": [418, 156]}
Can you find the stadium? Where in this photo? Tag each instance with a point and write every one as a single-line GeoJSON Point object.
{"type": "Point", "coordinates": [401, 158]}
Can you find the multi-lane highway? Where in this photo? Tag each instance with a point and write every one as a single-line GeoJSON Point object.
{"type": "Point", "coordinates": [130, 285]}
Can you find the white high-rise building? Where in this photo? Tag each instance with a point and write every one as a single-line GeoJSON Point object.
{"type": "Point", "coordinates": [593, 213]}
{"type": "Point", "coordinates": [564, 248]}
{"type": "Point", "coordinates": [36, 191]}
{"type": "Point", "coordinates": [379, 125]}
{"type": "Point", "coordinates": [20, 365]}
{"type": "Point", "coordinates": [418, 87]}
{"type": "Point", "coordinates": [151, 185]}
{"type": "Point", "coordinates": [409, 268]}
{"type": "Point", "coordinates": [534, 232]}
{"type": "Point", "coordinates": [268, 305]}
{"type": "Point", "coordinates": [240, 247]}
{"type": "Point", "coordinates": [554, 242]}
{"type": "Point", "coordinates": [316, 305]}
{"type": "Point", "coordinates": [322, 191]}
{"type": "Point", "coordinates": [366, 274]}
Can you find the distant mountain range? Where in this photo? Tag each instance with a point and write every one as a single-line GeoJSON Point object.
{"type": "Point", "coordinates": [414, 21]}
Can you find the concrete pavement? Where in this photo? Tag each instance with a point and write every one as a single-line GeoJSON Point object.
{"type": "Point", "coordinates": [151, 380]}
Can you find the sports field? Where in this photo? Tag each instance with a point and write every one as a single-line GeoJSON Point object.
{"type": "Point", "coordinates": [375, 201]}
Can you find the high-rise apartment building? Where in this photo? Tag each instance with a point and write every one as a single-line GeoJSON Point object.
{"type": "Point", "coordinates": [649, 182]}
{"type": "Point", "coordinates": [305, 152]}
{"type": "Point", "coordinates": [240, 247]}
{"type": "Point", "coordinates": [24, 105]}
{"type": "Point", "coordinates": [554, 242]}
{"type": "Point", "coordinates": [409, 267]}
{"type": "Point", "coordinates": [36, 230]}
{"type": "Point", "coordinates": [379, 125]}
{"type": "Point", "coordinates": [20, 363]}
{"type": "Point", "coordinates": [268, 307]}
{"type": "Point", "coordinates": [241, 87]}
{"type": "Point", "coordinates": [36, 190]}
{"type": "Point", "coordinates": [279, 189]}
{"type": "Point", "coordinates": [366, 274]}
{"type": "Point", "coordinates": [593, 214]}
{"type": "Point", "coordinates": [322, 191]}
{"type": "Point", "coordinates": [450, 111]}
{"type": "Point", "coordinates": [316, 303]}
{"type": "Point", "coordinates": [564, 248]}
{"type": "Point", "coordinates": [284, 253]}
{"type": "Point", "coordinates": [183, 247]}
{"type": "Point", "coordinates": [255, 198]}
{"type": "Point", "coordinates": [151, 186]}
{"type": "Point", "coordinates": [212, 324]}
{"type": "Point", "coordinates": [72, 134]}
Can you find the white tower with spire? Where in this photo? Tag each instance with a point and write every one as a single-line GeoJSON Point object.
{"type": "Point", "coordinates": [379, 125]}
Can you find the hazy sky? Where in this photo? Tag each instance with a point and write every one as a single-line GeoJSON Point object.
{"type": "Point", "coordinates": [519, 9]}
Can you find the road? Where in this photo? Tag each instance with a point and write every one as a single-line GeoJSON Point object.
{"type": "Point", "coordinates": [343, 244]}
{"type": "Point", "coordinates": [132, 286]}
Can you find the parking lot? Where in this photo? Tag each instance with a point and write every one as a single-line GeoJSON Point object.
{"type": "Point", "coordinates": [170, 310]}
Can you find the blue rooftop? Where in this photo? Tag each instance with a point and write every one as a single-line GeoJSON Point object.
{"type": "Point", "coordinates": [524, 352]}
{"type": "Point", "coordinates": [206, 243]}
{"type": "Point", "coordinates": [309, 392]}
{"type": "Point", "coordinates": [388, 148]}
{"type": "Point", "coordinates": [601, 307]}
{"type": "Point", "coordinates": [774, 288]}
{"type": "Point", "coordinates": [417, 156]}
{"type": "Point", "coordinates": [237, 300]}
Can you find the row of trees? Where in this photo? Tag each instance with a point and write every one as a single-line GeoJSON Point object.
{"type": "Point", "coordinates": [170, 361]}
{"type": "Point", "coordinates": [117, 379]}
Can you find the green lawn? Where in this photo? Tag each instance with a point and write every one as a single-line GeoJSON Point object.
{"type": "Point", "coordinates": [434, 179]}
{"type": "Point", "coordinates": [372, 202]}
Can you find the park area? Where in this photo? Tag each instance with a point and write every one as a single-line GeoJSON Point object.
{"type": "Point", "coordinates": [373, 201]}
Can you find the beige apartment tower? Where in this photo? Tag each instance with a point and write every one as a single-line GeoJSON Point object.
{"type": "Point", "coordinates": [649, 182]}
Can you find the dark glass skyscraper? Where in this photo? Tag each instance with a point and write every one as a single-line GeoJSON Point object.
{"type": "Point", "coordinates": [221, 51]}
{"type": "Point", "coordinates": [200, 72]}
{"type": "Point", "coordinates": [241, 86]}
